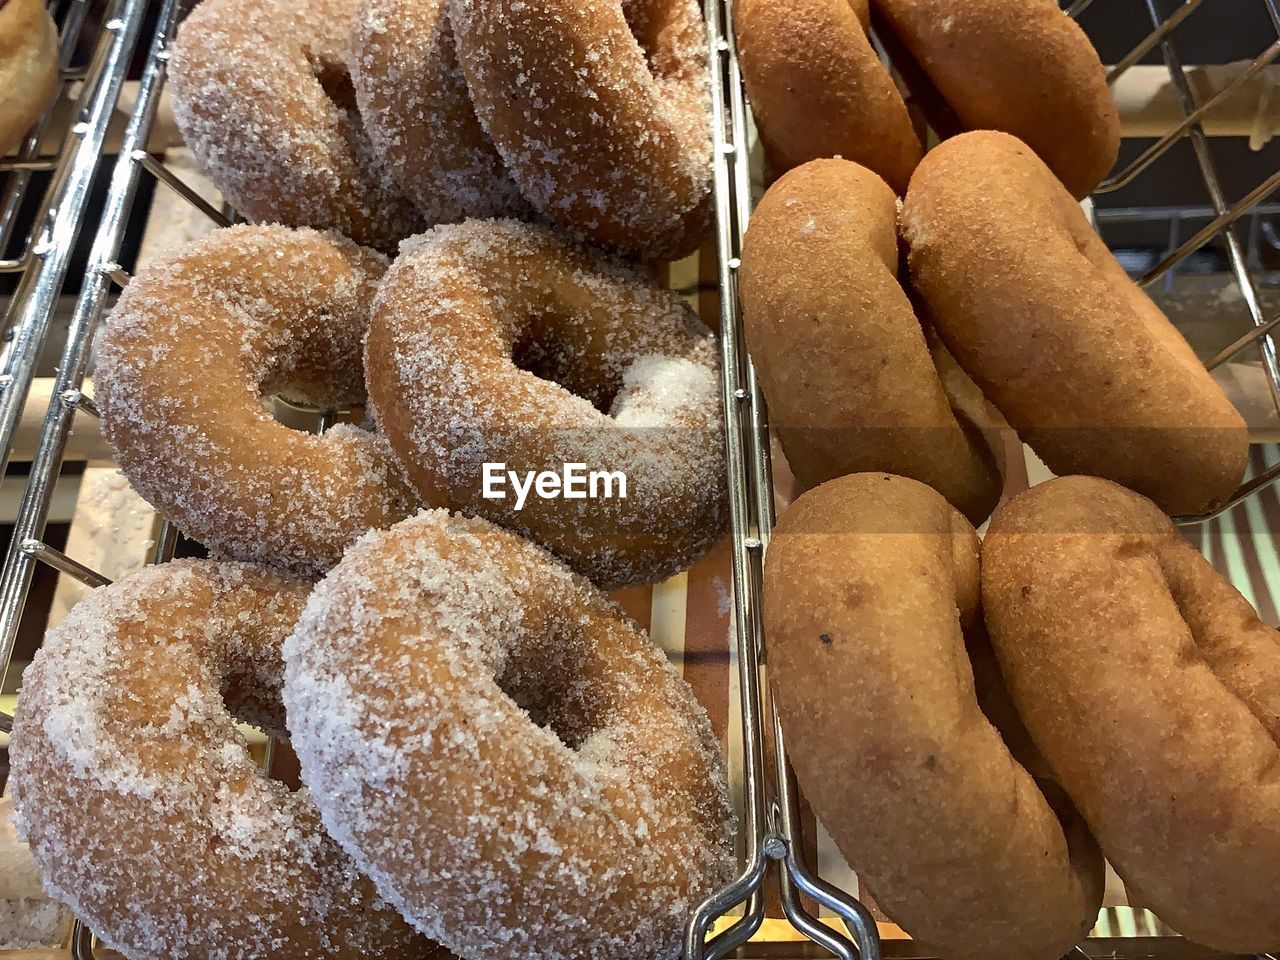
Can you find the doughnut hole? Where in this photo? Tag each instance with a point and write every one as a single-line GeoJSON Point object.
{"type": "Point", "coordinates": [549, 345]}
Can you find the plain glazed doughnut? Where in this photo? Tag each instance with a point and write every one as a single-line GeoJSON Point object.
{"type": "Point", "coordinates": [1038, 312]}
{"type": "Point", "coordinates": [1153, 690]}
{"type": "Point", "coordinates": [841, 356]}
{"type": "Point", "coordinates": [818, 89]}
{"type": "Point", "coordinates": [263, 98]}
{"type": "Point", "coordinates": [1020, 66]}
{"type": "Point", "coordinates": [501, 342]}
{"type": "Point", "coordinates": [143, 807]}
{"type": "Point", "coordinates": [600, 109]}
{"type": "Point", "coordinates": [520, 771]}
{"type": "Point", "coordinates": [417, 111]}
{"type": "Point", "coordinates": [28, 67]}
{"type": "Point", "coordinates": [871, 592]}
{"type": "Point", "coordinates": [194, 342]}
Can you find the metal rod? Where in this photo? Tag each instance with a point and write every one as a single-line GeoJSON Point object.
{"type": "Point", "coordinates": [1246, 490]}
{"type": "Point", "coordinates": [68, 196]}
{"type": "Point", "coordinates": [1226, 217]}
{"type": "Point", "coordinates": [1226, 353]}
{"type": "Point", "coordinates": [728, 238]}
{"type": "Point", "coordinates": [1079, 7]}
{"type": "Point", "coordinates": [33, 512]}
{"type": "Point", "coordinates": [179, 186]}
{"type": "Point", "coordinates": [1158, 149]}
{"type": "Point", "coordinates": [1162, 29]}
{"type": "Point", "coordinates": [53, 557]}
{"type": "Point", "coordinates": [6, 723]}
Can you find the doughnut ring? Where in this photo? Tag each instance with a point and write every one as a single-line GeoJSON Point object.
{"type": "Point", "coordinates": [844, 363]}
{"type": "Point", "coordinates": [871, 598]}
{"type": "Point", "coordinates": [818, 88]}
{"type": "Point", "coordinates": [1078, 359]}
{"type": "Point", "coordinates": [417, 111]}
{"type": "Point", "coordinates": [141, 802]}
{"type": "Point", "coordinates": [1153, 690]}
{"type": "Point", "coordinates": [1020, 66]}
{"type": "Point", "coordinates": [185, 357]}
{"type": "Point", "coordinates": [600, 109]}
{"type": "Point", "coordinates": [28, 67]}
{"type": "Point", "coordinates": [593, 823]}
{"type": "Point", "coordinates": [262, 95]}
{"type": "Point", "coordinates": [501, 342]}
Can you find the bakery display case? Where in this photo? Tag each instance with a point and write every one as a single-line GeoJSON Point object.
{"type": "Point", "coordinates": [104, 184]}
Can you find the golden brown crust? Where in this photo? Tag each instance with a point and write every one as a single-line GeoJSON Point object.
{"type": "Point", "coordinates": [819, 90]}
{"type": "Point", "coordinates": [1020, 66]}
{"type": "Point", "coordinates": [263, 97]}
{"type": "Point", "coordinates": [145, 810]}
{"type": "Point", "coordinates": [600, 111]}
{"type": "Point", "coordinates": [28, 67]}
{"type": "Point", "coordinates": [841, 356]}
{"type": "Point", "coordinates": [415, 105]}
{"type": "Point", "coordinates": [503, 741]}
{"type": "Point", "coordinates": [868, 581]}
{"type": "Point", "coordinates": [189, 349]}
{"type": "Point", "coordinates": [1153, 690]}
{"type": "Point", "coordinates": [501, 342]}
{"type": "Point", "coordinates": [1039, 313]}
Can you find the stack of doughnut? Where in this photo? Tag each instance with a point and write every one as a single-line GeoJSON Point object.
{"type": "Point", "coordinates": [382, 117]}
{"type": "Point", "coordinates": [28, 67]}
{"type": "Point", "coordinates": [819, 89]}
{"type": "Point", "coordinates": [1134, 698]}
{"type": "Point", "coordinates": [1026, 312]}
{"type": "Point", "coordinates": [978, 724]}
{"type": "Point", "coordinates": [483, 736]}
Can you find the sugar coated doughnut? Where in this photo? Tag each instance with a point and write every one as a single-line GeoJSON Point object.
{"type": "Point", "coordinates": [511, 760]}
{"type": "Point", "coordinates": [415, 106]}
{"type": "Point", "coordinates": [143, 807]}
{"type": "Point", "coordinates": [818, 88]}
{"type": "Point", "coordinates": [262, 95]}
{"type": "Point", "coordinates": [1021, 66]}
{"type": "Point", "coordinates": [1038, 312]}
{"type": "Point", "coordinates": [842, 358]}
{"type": "Point", "coordinates": [28, 67]}
{"type": "Point", "coordinates": [600, 109]}
{"type": "Point", "coordinates": [871, 594]}
{"type": "Point", "coordinates": [186, 355]}
{"type": "Point", "coordinates": [1153, 690]}
{"type": "Point", "coordinates": [499, 342]}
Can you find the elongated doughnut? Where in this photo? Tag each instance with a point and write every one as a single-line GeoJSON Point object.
{"type": "Point", "coordinates": [504, 343]}
{"type": "Point", "coordinates": [841, 356]}
{"type": "Point", "coordinates": [1038, 312]}
{"type": "Point", "coordinates": [600, 109]}
{"type": "Point", "coordinates": [416, 108]}
{"type": "Point", "coordinates": [1153, 690]}
{"type": "Point", "coordinates": [28, 67]}
{"type": "Point", "coordinates": [1020, 66]}
{"type": "Point", "coordinates": [194, 342]}
{"type": "Point", "coordinates": [144, 809]}
{"type": "Point", "coordinates": [871, 591]}
{"type": "Point", "coordinates": [512, 761]}
{"type": "Point", "coordinates": [263, 97]}
{"type": "Point", "coordinates": [818, 88]}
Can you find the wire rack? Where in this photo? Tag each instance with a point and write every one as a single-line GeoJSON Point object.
{"type": "Point", "coordinates": [771, 828]}
{"type": "Point", "coordinates": [772, 819]}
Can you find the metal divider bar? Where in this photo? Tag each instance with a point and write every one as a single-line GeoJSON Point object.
{"type": "Point", "coordinates": [38, 291]}
{"type": "Point", "coordinates": [47, 461]}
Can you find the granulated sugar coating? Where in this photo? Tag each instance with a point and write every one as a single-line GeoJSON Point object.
{"type": "Point", "coordinates": [516, 766]}
{"type": "Point", "coordinates": [415, 105]}
{"type": "Point", "coordinates": [186, 355]}
{"type": "Point", "coordinates": [600, 109]}
{"type": "Point", "coordinates": [504, 342]}
{"type": "Point", "coordinates": [141, 802]}
{"type": "Point", "coordinates": [262, 96]}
